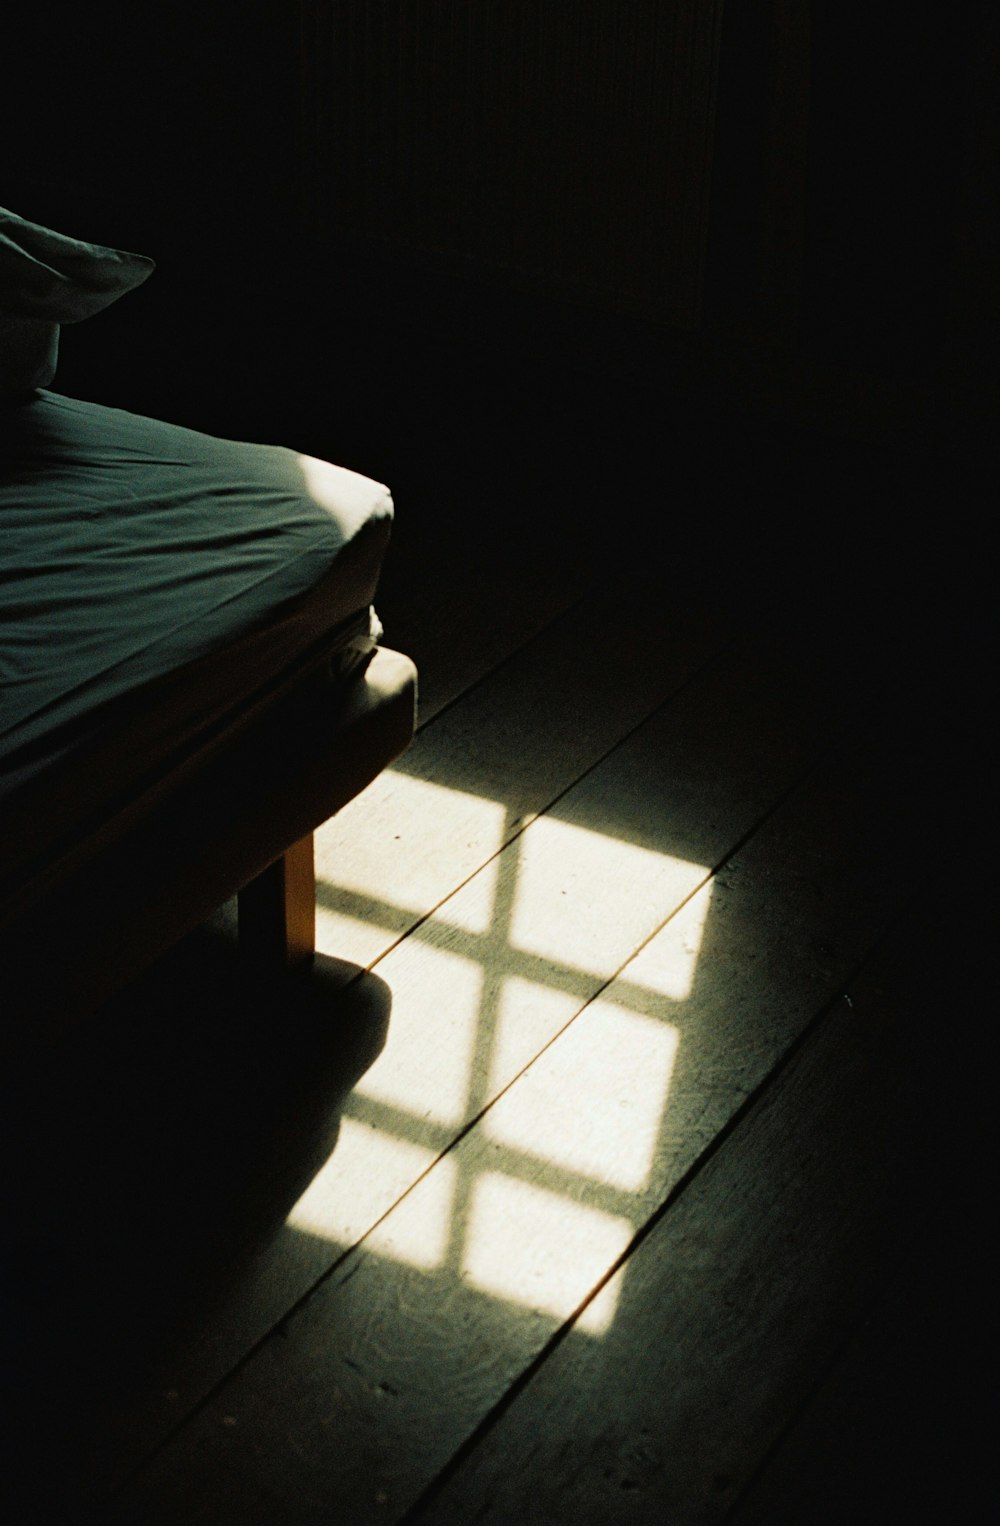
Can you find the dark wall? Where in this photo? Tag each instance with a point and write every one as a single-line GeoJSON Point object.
{"type": "Point", "coordinates": [167, 129]}
{"type": "Point", "coordinates": [848, 195]}
{"type": "Point", "coordinates": [174, 118]}
{"type": "Point", "coordinates": [886, 144]}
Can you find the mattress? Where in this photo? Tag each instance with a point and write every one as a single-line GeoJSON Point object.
{"type": "Point", "coordinates": [156, 584]}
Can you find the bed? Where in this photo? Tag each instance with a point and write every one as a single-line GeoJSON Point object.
{"type": "Point", "coordinates": [192, 680]}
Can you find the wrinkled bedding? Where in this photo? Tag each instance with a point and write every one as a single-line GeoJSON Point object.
{"type": "Point", "coordinates": [153, 580]}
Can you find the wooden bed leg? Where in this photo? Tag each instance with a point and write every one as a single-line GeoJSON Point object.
{"type": "Point", "coordinates": [277, 912]}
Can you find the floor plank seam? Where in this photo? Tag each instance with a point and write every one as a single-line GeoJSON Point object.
{"type": "Point", "coordinates": [828, 1368]}
{"type": "Point", "coordinates": [413, 1514]}
{"type": "Point", "coordinates": [545, 630]}
{"type": "Point", "coordinates": [510, 657]}
{"type": "Point", "coordinates": [840, 740]}
{"type": "Point", "coordinates": [544, 810]}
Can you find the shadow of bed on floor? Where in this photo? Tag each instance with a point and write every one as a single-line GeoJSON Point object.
{"type": "Point", "coordinates": [149, 1161]}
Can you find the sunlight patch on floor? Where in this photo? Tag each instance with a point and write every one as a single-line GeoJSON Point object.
{"type": "Point", "coordinates": [668, 962]}
{"type": "Point", "coordinates": [432, 817]}
{"type": "Point", "coordinates": [491, 1010]}
{"type": "Point", "coordinates": [368, 1172]}
{"type": "Point", "coordinates": [425, 1069]}
{"type": "Point", "coordinates": [593, 1103]}
{"type": "Point", "coordinates": [528, 1014]}
{"type": "Point", "coordinates": [419, 1229]}
{"type": "Point", "coordinates": [540, 1249]}
{"type": "Point", "coordinates": [336, 931]}
{"type": "Point", "coordinates": [570, 884]}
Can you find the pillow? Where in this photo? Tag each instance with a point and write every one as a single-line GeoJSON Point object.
{"type": "Point", "coordinates": [47, 279]}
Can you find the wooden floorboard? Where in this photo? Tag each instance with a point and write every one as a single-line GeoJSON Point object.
{"type": "Point", "coordinates": [467, 948]}
{"type": "Point", "coordinates": [512, 745]}
{"type": "Point", "coordinates": [454, 581]}
{"type": "Point", "coordinates": [611, 698]}
{"type": "Point", "coordinates": [586, 901]}
{"type": "Point", "coordinates": [406, 1345]}
{"type": "Point", "coordinates": [898, 1429]}
{"type": "Point", "coordinates": [745, 1290]}
{"type": "Point", "coordinates": [578, 1202]}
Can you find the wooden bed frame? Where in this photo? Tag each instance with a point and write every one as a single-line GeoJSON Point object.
{"type": "Point", "coordinates": [235, 819]}
{"type": "Point", "coordinates": [233, 816]}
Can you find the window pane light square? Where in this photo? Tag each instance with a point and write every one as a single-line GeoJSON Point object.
{"type": "Point", "coordinates": [572, 886]}
{"type": "Point", "coordinates": [593, 1103]}
{"type": "Point", "coordinates": [424, 1069]}
{"type": "Point", "coordinates": [540, 1250]}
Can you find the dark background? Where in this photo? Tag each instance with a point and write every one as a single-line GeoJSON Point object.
{"type": "Point", "coordinates": [821, 427]}
{"type": "Point", "coordinates": [827, 412]}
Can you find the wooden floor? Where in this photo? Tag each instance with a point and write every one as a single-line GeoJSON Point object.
{"type": "Point", "coordinates": [642, 1178]}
